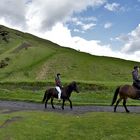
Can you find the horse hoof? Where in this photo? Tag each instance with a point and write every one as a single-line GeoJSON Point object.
{"type": "Point", "coordinates": [127, 111]}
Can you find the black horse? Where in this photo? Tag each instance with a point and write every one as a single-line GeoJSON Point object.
{"type": "Point", "coordinates": [65, 95]}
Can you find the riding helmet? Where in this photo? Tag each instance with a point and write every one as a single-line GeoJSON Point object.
{"type": "Point", "coordinates": [135, 67]}
{"type": "Point", "coordinates": [58, 74]}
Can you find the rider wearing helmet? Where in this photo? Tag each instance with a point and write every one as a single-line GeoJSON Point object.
{"type": "Point", "coordinates": [135, 76]}
{"type": "Point", "coordinates": [58, 85]}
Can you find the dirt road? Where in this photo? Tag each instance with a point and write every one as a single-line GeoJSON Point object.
{"type": "Point", "coordinates": [12, 106]}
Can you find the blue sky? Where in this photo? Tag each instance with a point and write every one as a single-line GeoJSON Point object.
{"type": "Point", "coordinates": [99, 27]}
{"type": "Point", "coordinates": [121, 20]}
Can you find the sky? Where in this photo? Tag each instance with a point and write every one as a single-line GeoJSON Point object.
{"type": "Point", "coordinates": [99, 27]}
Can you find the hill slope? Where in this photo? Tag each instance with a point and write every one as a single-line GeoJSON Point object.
{"type": "Point", "coordinates": [25, 57]}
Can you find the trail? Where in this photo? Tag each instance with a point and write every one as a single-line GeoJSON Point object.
{"type": "Point", "coordinates": [12, 106]}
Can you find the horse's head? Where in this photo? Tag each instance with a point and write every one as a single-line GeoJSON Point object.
{"type": "Point", "coordinates": [74, 86]}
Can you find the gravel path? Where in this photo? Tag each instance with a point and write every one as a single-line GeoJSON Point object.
{"type": "Point", "coordinates": [11, 106]}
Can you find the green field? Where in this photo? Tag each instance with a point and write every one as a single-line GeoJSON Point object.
{"type": "Point", "coordinates": [90, 94]}
{"type": "Point", "coordinates": [46, 126]}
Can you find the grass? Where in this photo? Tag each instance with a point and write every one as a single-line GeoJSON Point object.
{"type": "Point", "coordinates": [90, 94]}
{"type": "Point", "coordinates": [44, 125]}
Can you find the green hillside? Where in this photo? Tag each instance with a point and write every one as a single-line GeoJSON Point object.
{"type": "Point", "coordinates": [25, 57]}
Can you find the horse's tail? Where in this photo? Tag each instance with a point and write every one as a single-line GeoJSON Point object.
{"type": "Point", "coordinates": [115, 95]}
{"type": "Point", "coordinates": [45, 96]}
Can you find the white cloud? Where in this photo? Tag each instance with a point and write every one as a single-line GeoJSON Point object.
{"type": "Point", "coordinates": [84, 19]}
{"type": "Point", "coordinates": [112, 6]}
{"type": "Point", "coordinates": [40, 14]}
{"type": "Point", "coordinates": [108, 25]}
{"type": "Point", "coordinates": [122, 37]}
{"type": "Point", "coordinates": [132, 41]}
{"type": "Point", "coordinates": [92, 18]}
{"type": "Point", "coordinates": [51, 12]}
{"type": "Point", "coordinates": [13, 12]}
{"type": "Point", "coordinates": [83, 23]}
{"type": "Point", "coordinates": [88, 26]}
{"type": "Point", "coordinates": [62, 35]}
{"type": "Point", "coordinates": [76, 30]}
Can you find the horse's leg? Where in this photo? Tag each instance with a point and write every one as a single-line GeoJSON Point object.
{"type": "Point", "coordinates": [46, 102]}
{"type": "Point", "coordinates": [70, 103]}
{"type": "Point", "coordinates": [52, 103]}
{"type": "Point", "coordinates": [48, 97]}
{"type": "Point", "coordinates": [117, 104]}
{"type": "Point", "coordinates": [63, 104]}
{"type": "Point", "coordinates": [124, 104]}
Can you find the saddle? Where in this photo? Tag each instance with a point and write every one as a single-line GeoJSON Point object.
{"type": "Point", "coordinates": [136, 85]}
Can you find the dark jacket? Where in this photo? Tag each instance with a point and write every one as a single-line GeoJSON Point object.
{"type": "Point", "coordinates": [135, 76]}
{"type": "Point", "coordinates": [58, 82]}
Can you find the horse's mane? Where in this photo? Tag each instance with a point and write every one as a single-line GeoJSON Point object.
{"type": "Point", "coordinates": [69, 87]}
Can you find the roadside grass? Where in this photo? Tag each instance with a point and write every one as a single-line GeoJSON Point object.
{"type": "Point", "coordinates": [90, 94]}
{"type": "Point", "coordinates": [35, 125]}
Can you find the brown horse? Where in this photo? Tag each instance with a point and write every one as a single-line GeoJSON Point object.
{"type": "Point", "coordinates": [125, 91]}
{"type": "Point", "coordinates": [65, 95]}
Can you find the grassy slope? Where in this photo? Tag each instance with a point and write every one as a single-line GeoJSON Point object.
{"type": "Point", "coordinates": [44, 59]}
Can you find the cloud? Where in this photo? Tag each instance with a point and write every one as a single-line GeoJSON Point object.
{"type": "Point", "coordinates": [40, 14]}
{"type": "Point", "coordinates": [123, 38]}
{"type": "Point", "coordinates": [77, 30]}
{"type": "Point", "coordinates": [13, 12]}
{"type": "Point", "coordinates": [88, 26]}
{"type": "Point", "coordinates": [90, 19]}
{"type": "Point", "coordinates": [112, 6]}
{"type": "Point", "coordinates": [83, 24]}
{"type": "Point", "coordinates": [132, 41]}
{"type": "Point", "coordinates": [51, 12]}
{"type": "Point", "coordinates": [62, 35]}
{"type": "Point", "coordinates": [108, 25]}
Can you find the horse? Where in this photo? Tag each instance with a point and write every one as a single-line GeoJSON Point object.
{"type": "Point", "coordinates": [124, 92]}
{"type": "Point", "coordinates": [65, 95]}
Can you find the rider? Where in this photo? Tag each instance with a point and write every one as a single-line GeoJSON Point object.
{"type": "Point", "coordinates": [58, 85]}
{"type": "Point", "coordinates": [135, 75]}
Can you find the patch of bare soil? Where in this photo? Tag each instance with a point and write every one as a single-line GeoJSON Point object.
{"type": "Point", "coordinates": [24, 45]}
